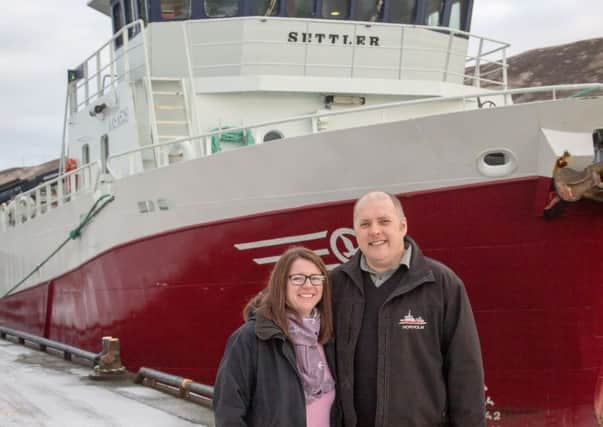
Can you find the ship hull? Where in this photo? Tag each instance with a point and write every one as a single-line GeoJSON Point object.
{"type": "Point", "coordinates": [535, 287]}
{"type": "Point", "coordinates": [168, 265]}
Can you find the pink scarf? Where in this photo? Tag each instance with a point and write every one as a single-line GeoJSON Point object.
{"type": "Point", "coordinates": [309, 355]}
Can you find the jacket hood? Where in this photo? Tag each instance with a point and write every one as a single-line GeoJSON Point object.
{"type": "Point", "coordinates": [265, 329]}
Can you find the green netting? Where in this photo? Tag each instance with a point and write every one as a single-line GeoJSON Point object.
{"type": "Point", "coordinates": [244, 136]}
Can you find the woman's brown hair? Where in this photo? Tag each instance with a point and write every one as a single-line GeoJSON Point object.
{"type": "Point", "coordinates": [271, 302]}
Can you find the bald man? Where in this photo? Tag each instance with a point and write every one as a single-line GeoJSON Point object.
{"type": "Point", "coordinates": [408, 352]}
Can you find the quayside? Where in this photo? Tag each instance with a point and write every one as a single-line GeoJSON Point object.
{"type": "Point", "coordinates": [204, 138]}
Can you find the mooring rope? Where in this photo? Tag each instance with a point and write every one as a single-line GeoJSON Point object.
{"type": "Point", "coordinates": [73, 234]}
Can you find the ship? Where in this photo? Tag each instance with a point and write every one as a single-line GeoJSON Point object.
{"type": "Point", "coordinates": [204, 138]}
{"type": "Point", "coordinates": [17, 180]}
{"type": "Point", "coordinates": [409, 319]}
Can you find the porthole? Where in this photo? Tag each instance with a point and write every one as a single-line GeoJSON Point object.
{"type": "Point", "coordinates": [495, 159]}
{"type": "Point", "coordinates": [273, 135]}
{"type": "Point", "coordinates": [496, 162]}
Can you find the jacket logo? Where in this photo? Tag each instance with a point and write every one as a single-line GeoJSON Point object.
{"type": "Point", "coordinates": [411, 322]}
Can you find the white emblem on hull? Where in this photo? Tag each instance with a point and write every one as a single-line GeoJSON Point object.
{"type": "Point", "coordinates": [341, 245]}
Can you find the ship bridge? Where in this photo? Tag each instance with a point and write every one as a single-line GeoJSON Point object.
{"type": "Point", "coordinates": [455, 14]}
{"type": "Point", "coordinates": [412, 48]}
{"type": "Point", "coordinates": [178, 69]}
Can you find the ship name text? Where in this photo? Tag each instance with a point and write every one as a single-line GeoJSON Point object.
{"type": "Point", "coordinates": [324, 38]}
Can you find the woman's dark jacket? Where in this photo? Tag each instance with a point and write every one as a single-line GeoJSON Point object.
{"type": "Point", "coordinates": [257, 383]}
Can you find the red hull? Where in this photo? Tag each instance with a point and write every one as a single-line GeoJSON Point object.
{"type": "Point", "coordinates": [535, 286]}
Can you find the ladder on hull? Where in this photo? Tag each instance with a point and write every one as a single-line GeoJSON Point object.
{"type": "Point", "coordinates": [172, 116]}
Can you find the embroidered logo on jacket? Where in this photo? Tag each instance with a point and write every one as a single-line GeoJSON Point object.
{"type": "Point", "coordinates": [411, 322]}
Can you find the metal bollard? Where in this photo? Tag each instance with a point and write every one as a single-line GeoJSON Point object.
{"type": "Point", "coordinates": [109, 363]}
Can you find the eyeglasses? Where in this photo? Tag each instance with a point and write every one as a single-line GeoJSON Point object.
{"type": "Point", "coordinates": [300, 279]}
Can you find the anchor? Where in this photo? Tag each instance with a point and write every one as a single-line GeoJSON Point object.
{"type": "Point", "coordinates": [571, 185]}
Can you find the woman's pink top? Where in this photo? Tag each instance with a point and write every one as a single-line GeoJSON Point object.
{"type": "Point", "coordinates": [318, 412]}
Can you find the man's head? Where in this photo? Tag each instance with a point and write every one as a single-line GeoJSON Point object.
{"type": "Point", "coordinates": [380, 227]}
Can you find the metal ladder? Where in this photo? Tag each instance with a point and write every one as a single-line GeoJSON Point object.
{"type": "Point", "coordinates": [171, 113]}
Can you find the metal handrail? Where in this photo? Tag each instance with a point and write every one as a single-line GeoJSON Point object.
{"type": "Point", "coordinates": [96, 74]}
{"type": "Point", "coordinates": [474, 95]}
{"type": "Point", "coordinates": [45, 344]}
{"type": "Point", "coordinates": [481, 57]}
{"type": "Point", "coordinates": [125, 35]}
{"type": "Point", "coordinates": [175, 384]}
{"type": "Point", "coordinates": [66, 186]}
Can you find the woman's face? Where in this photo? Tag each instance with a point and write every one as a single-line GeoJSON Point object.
{"type": "Point", "coordinates": [303, 297]}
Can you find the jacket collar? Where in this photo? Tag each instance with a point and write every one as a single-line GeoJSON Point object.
{"type": "Point", "coordinates": [266, 329]}
{"type": "Point", "coordinates": [418, 273]}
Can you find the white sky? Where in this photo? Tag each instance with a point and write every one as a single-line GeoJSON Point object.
{"type": "Point", "coordinates": [40, 40]}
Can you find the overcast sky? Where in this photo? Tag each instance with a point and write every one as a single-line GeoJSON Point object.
{"type": "Point", "coordinates": [40, 40]}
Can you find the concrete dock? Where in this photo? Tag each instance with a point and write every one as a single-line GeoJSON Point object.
{"type": "Point", "coordinates": [43, 390]}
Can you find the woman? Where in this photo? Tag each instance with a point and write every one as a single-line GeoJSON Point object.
{"type": "Point", "coordinates": [277, 369]}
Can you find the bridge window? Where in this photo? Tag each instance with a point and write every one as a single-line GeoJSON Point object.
{"type": "Point", "coordinates": [118, 23]}
{"type": "Point", "coordinates": [221, 8]}
{"type": "Point", "coordinates": [403, 11]}
{"type": "Point", "coordinates": [300, 8]}
{"type": "Point", "coordinates": [367, 10]}
{"type": "Point", "coordinates": [335, 9]}
{"type": "Point", "coordinates": [128, 10]}
{"type": "Point", "coordinates": [456, 14]}
{"type": "Point", "coordinates": [175, 9]}
{"type": "Point", "coordinates": [142, 9]}
{"type": "Point", "coordinates": [434, 11]}
{"type": "Point", "coordinates": [263, 7]}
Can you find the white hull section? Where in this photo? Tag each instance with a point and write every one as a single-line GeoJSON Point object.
{"type": "Point", "coordinates": [406, 156]}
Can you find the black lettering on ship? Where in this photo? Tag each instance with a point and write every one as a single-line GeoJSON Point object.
{"type": "Point", "coordinates": [334, 39]}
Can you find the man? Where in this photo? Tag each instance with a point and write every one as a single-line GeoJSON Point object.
{"type": "Point", "coordinates": [407, 347]}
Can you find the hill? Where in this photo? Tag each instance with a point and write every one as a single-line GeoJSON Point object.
{"type": "Point", "coordinates": [578, 62]}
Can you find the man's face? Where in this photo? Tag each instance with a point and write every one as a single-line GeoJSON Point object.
{"type": "Point", "coordinates": [380, 232]}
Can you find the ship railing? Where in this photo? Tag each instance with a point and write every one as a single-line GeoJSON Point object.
{"type": "Point", "coordinates": [482, 63]}
{"type": "Point", "coordinates": [137, 160]}
{"type": "Point", "coordinates": [50, 195]}
{"type": "Point", "coordinates": [122, 57]}
{"type": "Point", "coordinates": [449, 62]}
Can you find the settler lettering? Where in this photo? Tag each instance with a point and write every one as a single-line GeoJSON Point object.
{"type": "Point", "coordinates": [344, 39]}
